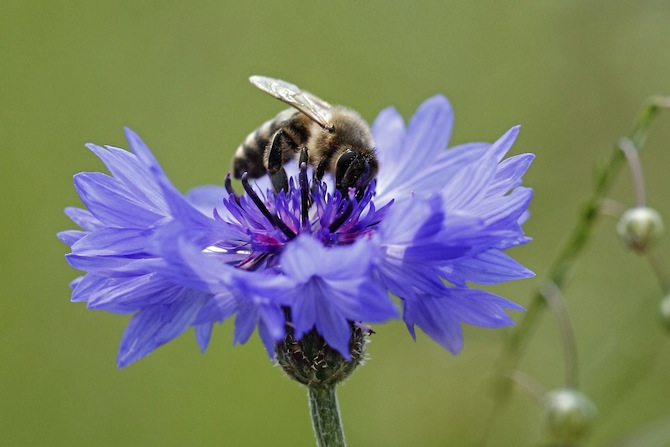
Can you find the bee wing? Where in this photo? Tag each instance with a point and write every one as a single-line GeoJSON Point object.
{"type": "Point", "coordinates": [314, 107]}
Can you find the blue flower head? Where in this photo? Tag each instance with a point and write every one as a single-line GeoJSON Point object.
{"type": "Point", "coordinates": [306, 260]}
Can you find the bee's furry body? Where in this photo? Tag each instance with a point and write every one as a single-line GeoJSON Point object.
{"type": "Point", "coordinates": [337, 139]}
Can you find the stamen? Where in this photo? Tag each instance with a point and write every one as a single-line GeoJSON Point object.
{"type": "Point", "coordinates": [263, 209]}
{"type": "Point", "coordinates": [339, 220]}
{"type": "Point", "coordinates": [252, 262]}
{"type": "Point", "coordinates": [304, 194]}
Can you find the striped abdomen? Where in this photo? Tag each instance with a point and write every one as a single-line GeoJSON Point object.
{"type": "Point", "coordinates": [249, 155]}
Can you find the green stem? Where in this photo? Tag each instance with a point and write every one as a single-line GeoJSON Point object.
{"type": "Point", "coordinates": [325, 413]}
{"type": "Point", "coordinates": [565, 260]}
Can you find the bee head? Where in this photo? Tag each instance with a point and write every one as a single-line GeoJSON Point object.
{"type": "Point", "coordinates": [354, 170]}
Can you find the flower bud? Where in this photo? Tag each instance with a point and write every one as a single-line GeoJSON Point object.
{"type": "Point", "coordinates": [568, 415]}
{"type": "Point", "coordinates": [640, 227]}
{"type": "Point", "coordinates": [311, 361]}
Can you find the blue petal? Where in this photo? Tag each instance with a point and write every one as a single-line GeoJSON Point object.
{"type": "Point", "coordinates": [129, 294]}
{"type": "Point", "coordinates": [508, 210]}
{"type": "Point", "coordinates": [481, 308]}
{"type": "Point", "coordinates": [334, 291]}
{"type": "Point", "coordinates": [509, 173]}
{"type": "Point", "coordinates": [436, 320]}
{"type": "Point", "coordinates": [208, 198]}
{"type": "Point", "coordinates": [129, 171]}
{"type": "Point", "coordinates": [175, 200]}
{"type": "Point", "coordinates": [111, 203]}
{"type": "Point", "coordinates": [333, 327]}
{"type": "Point", "coordinates": [489, 267]}
{"type": "Point", "coordinates": [70, 237]}
{"type": "Point", "coordinates": [429, 130]}
{"type": "Point", "coordinates": [469, 184]}
{"type": "Point", "coordinates": [298, 258]}
{"type": "Point", "coordinates": [109, 265]}
{"type": "Point", "coordinates": [258, 296]}
{"type": "Point", "coordinates": [440, 316]}
{"type": "Point", "coordinates": [271, 328]}
{"type": "Point", "coordinates": [370, 304]}
{"type": "Point", "coordinates": [388, 130]}
{"type": "Point", "coordinates": [86, 286]}
{"type": "Point", "coordinates": [341, 262]}
{"type": "Point", "coordinates": [428, 133]}
{"type": "Point", "coordinates": [187, 265]}
{"type": "Point", "coordinates": [219, 308]}
{"type": "Point", "coordinates": [504, 143]}
{"type": "Point", "coordinates": [203, 333]}
{"type": "Point", "coordinates": [149, 328]}
{"type": "Point", "coordinates": [113, 241]}
{"type": "Point", "coordinates": [245, 322]}
{"type": "Point", "coordinates": [83, 218]}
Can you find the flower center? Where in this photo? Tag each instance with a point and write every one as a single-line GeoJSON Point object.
{"type": "Point", "coordinates": [267, 223]}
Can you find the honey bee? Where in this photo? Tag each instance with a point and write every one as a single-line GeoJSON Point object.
{"type": "Point", "coordinates": [333, 139]}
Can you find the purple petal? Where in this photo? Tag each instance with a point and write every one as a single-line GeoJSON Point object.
{"type": "Point", "coordinates": [83, 218]}
{"type": "Point", "coordinates": [86, 286]}
{"type": "Point", "coordinates": [440, 316]}
{"type": "Point", "coordinates": [435, 319]}
{"type": "Point", "coordinates": [110, 265]}
{"type": "Point", "coordinates": [111, 203]}
{"type": "Point", "coordinates": [149, 328]}
{"type": "Point", "coordinates": [130, 294]}
{"type": "Point", "coordinates": [113, 241]}
{"type": "Point", "coordinates": [504, 143]}
{"type": "Point", "coordinates": [489, 267]}
{"type": "Point", "coordinates": [509, 173]}
{"type": "Point", "coordinates": [70, 237]}
{"type": "Point", "coordinates": [128, 170]}
{"type": "Point", "coordinates": [427, 136]}
{"type": "Point", "coordinates": [389, 134]}
{"type": "Point", "coordinates": [203, 333]}
{"type": "Point", "coordinates": [207, 199]}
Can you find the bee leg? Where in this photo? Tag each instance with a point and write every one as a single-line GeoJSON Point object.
{"type": "Point", "coordinates": [274, 156]}
{"type": "Point", "coordinates": [281, 148]}
{"type": "Point", "coordinates": [344, 172]}
{"type": "Point", "coordinates": [279, 180]}
{"type": "Point", "coordinates": [352, 171]}
{"type": "Point", "coordinates": [320, 170]}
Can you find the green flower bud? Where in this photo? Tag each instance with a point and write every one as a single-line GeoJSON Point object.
{"type": "Point", "coordinates": [311, 361]}
{"type": "Point", "coordinates": [640, 227]}
{"type": "Point", "coordinates": [568, 415]}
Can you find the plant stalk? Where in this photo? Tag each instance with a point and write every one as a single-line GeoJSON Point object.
{"type": "Point", "coordinates": [325, 412]}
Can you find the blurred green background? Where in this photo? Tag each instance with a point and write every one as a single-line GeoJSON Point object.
{"type": "Point", "coordinates": [574, 74]}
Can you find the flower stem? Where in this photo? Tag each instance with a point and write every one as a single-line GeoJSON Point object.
{"type": "Point", "coordinates": [325, 413]}
{"type": "Point", "coordinates": [563, 263]}
{"type": "Point", "coordinates": [571, 249]}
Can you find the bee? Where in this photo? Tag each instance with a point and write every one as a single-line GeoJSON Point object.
{"type": "Point", "coordinates": [333, 139]}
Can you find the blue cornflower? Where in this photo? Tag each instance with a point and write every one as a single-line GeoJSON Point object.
{"type": "Point", "coordinates": [306, 259]}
